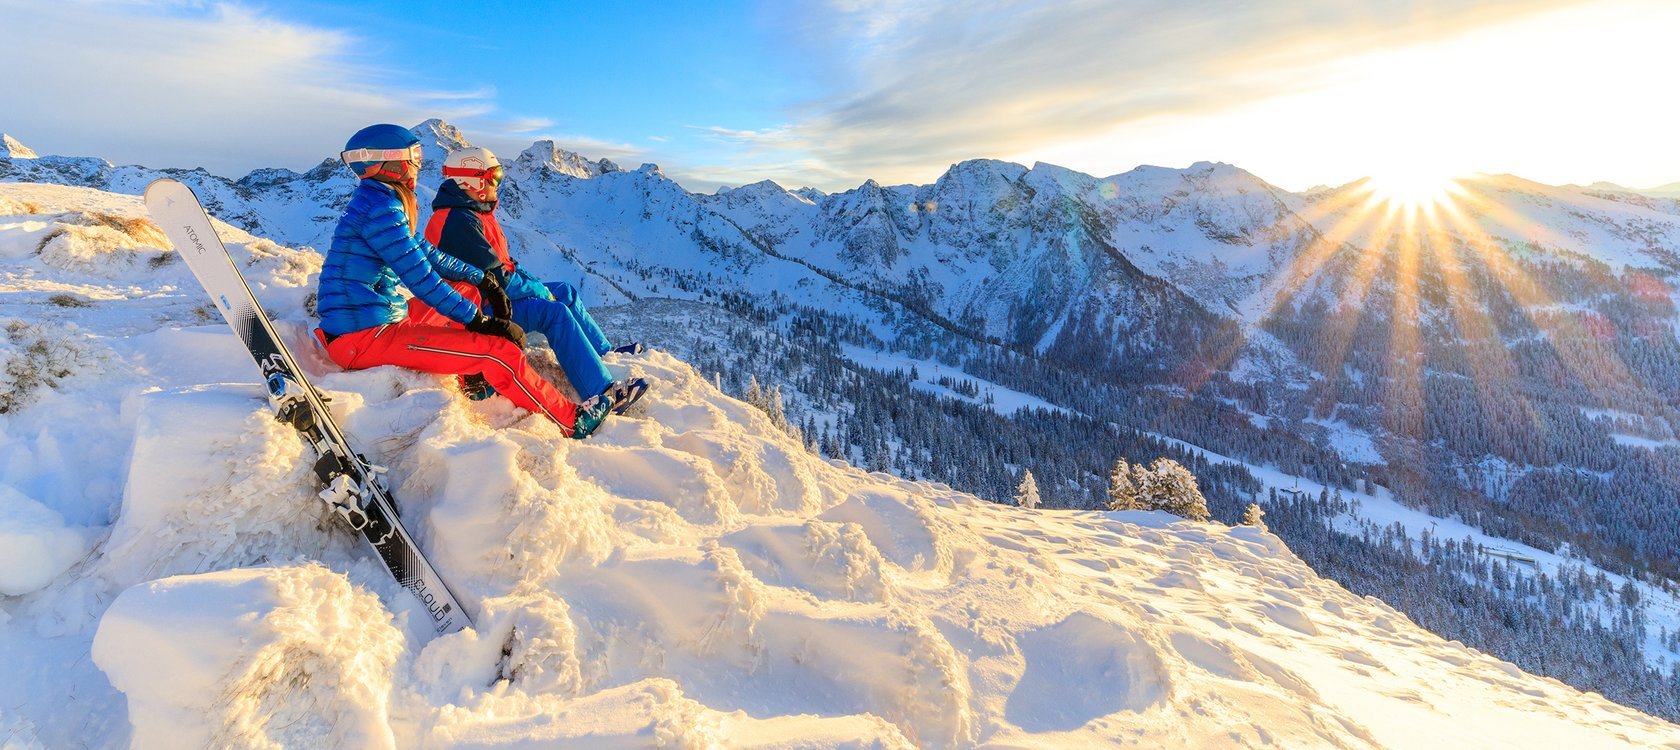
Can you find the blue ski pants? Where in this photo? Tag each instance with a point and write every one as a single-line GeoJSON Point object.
{"type": "Point", "coordinates": [576, 339]}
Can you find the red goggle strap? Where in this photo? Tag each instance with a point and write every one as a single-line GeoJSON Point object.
{"type": "Point", "coordinates": [495, 172]}
{"type": "Point", "coordinates": [406, 171]}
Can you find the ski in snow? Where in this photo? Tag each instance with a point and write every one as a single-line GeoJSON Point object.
{"type": "Point", "coordinates": [353, 487]}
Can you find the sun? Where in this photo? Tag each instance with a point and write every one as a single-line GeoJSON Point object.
{"type": "Point", "coordinates": [1412, 187]}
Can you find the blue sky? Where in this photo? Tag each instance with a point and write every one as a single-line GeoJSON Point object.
{"type": "Point", "coordinates": [831, 92]}
{"type": "Point", "coordinates": [630, 72]}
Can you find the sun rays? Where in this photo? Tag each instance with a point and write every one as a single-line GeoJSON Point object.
{"type": "Point", "coordinates": [1412, 189]}
{"type": "Point", "coordinates": [1434, 255]}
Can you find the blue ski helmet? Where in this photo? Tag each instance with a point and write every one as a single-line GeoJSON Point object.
{"type": "Point", "coordinates": [372, 147]}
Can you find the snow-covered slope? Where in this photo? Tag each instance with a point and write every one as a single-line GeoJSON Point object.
{"type": "Point", "coordinates": [690, 577]}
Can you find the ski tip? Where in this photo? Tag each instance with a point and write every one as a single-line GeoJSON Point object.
{"type": "Point", "coordinates": [162, 183]}
{"type": "Point", "coordinates": [164, 192]}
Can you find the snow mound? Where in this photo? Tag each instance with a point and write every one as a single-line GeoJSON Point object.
{"type": "Point", "coordinates": [265, 657]}
{"type": "Point", "coordinates": [36, 545]}
{"type": "Point", "coordinates": [236, 503]}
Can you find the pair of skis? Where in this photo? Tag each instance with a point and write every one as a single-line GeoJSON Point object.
{"type": "Point", "coordinates": [352, 484]}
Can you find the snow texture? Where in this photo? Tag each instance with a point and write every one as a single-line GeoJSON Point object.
{"type": "Point", "coordinates": [36, 545]}
{"type": "Point", "coordinates": [690, 576]}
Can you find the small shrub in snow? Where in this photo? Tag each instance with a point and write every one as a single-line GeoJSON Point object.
{"type": "Point", "coordinates": [11, 207]}
{"type": "Point", "coordinates": [99, 244]}
{"type": "Point", "coordinates": [69, 300]}
{"type": "Point", "coordinates": [34, 356]}
{"type": "Point", "coordinates": [98, 250]}
{"type": "Point", "coordinates": [1254, 516]}
{"type": "Point", "coordinates": [137, 228]}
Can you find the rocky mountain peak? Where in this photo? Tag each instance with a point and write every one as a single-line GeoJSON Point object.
{"type": "Point", "coordinates": [546, 155]}
{"type": "Point", "coordinates": [436, 132]}
{"type": "Point", "coordinates": [14, 149]}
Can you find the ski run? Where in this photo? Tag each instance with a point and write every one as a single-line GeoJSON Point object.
{"type": "Point", "coordinates": [691, 576]}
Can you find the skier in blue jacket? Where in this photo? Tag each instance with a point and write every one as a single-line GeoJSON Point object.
{"type": "Point", "coordinates": [443, 329]}
{"type": "Point", "coordinates": [463, 225]}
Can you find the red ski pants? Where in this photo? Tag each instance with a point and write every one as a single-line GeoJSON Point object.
{"type": "Point", "coordinates": [429, 342]}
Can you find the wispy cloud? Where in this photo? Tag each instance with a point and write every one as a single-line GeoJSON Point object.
{"type": "Point", "coordinates": [924, 84]}
{"type": "Point", "coordinates": [480, 94]}
{"type": "Point", "coordinates": [784, 171]}
{"type": "Point", "coordinates": [217, 85]}
{"type": "Point", "coordinates": [523, 125]}
{"type": "Point", "coordinates": [767, 136]}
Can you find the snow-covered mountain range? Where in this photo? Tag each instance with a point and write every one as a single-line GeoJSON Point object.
{"type": "Point", "coordinates": [692, 576]}
{"type": "Point", "coordinates": [1206, 279]}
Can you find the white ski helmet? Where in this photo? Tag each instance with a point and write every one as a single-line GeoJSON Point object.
{"type": "Point", "coordinates": [475, 170]}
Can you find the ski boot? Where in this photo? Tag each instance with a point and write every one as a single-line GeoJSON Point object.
{"type": "Point", "coordinates": [590, 415]}
{"type": "Point", "coordinates": [624, 393]}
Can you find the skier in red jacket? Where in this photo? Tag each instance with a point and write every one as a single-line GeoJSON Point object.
{"type": "Point", "coordinates": [464, 226]}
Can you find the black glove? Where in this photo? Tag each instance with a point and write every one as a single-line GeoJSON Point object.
{"type": "Point", "coordinates": [495, 299]}
{"type": "Point", "coordinates": [501, 327]}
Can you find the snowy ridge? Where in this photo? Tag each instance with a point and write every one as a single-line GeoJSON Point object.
{"type": "Point", "coordinates": [690, 576]}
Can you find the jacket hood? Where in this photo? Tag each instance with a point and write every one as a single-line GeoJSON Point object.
{"type": "Point", "coordinates": [450, 195]}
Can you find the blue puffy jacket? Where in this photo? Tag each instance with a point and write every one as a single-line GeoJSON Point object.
{"type": "Point", "coordinates": [372, 249]}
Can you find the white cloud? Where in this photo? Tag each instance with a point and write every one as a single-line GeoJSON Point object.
{"type": "Point", "coordinates": [176, 85]}
{"type": "Point", "coordinates": [213, 85]}
{"type": "Point", "coordinates": [923, 84]}
{"type": "Point", "coordinates": [1571, 95]}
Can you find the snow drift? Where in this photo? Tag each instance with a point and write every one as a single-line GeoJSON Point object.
{"type": "Point", "coordinates": [691, 576]}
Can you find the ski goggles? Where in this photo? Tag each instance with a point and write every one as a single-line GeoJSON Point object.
{"type": "Point", "coordinates": [410, 154]}
{"type": "Point", "coordinates": [492, 175]}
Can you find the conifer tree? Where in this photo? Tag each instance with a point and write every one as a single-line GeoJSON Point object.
{"type": "Point", "coordinates": [1167, 485]}
{"type": "Point", "coordinates": [754, 393]}
{"type": "Point", "coordinates": [1122, 490]}
{"type": "Point", "coordinates": [1026, 495]}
